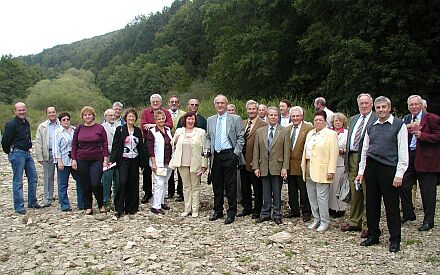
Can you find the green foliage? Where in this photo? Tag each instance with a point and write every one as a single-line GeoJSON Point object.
{"type": "Point", "coordinates": [70, 92]}
{"type": "Point", "coordinates": [15, 78]}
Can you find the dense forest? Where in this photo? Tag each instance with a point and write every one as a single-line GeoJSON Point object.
{"type": "Point", "coordinates": [261, 49]}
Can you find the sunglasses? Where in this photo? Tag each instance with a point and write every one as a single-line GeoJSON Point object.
{"type": "Point", "coordinates": [65, 119]}
{"type": "Point", "coordinates": [194, 104]}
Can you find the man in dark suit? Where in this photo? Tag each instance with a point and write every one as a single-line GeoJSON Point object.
{"type": "Point", "coordinates": [356, 132]}
{"type": "Point", "coordinates": [410, 178]}
{"type": "Point", "coordinates": [224, 140]}
{"type": "Point", "coordinates": [271, 162]}
{"type": "Point", "coordinates": [248, 179]}
{"type": "Point", "coordinates": [427, 165]}
{"type": "Point", "coordinates": [297, 133]}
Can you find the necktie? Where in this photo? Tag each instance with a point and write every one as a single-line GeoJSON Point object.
{"type": "Point", "coordinates": [218, 135]}
{"type": "Point", "coordinates": [414, 118]}
{"type": "Point", "coordinates": [248, 130]}
{"type": "Point", "coordinates": [293, 137]}
{"type": "Point", "coordinates": [270, 136]}
{"type": "Point", "coordinates": [357, 136]}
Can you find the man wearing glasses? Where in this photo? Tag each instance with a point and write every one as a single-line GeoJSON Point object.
{"type": "Point", "coordinates": [193, 106]}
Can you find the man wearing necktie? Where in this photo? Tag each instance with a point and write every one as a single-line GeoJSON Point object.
{"type": "Point", "coordinates": [298, 132]}
{"type": "Point", "coordinates": [356, 132]}
{"type": "Point", "coordinates": [224, 141]}
{"type": "Point", "coordinates": [271, 162]}
{"type": "Point", "coordinates": [248, 179]}
{"type": "Point", "coordinates": [424, 163]}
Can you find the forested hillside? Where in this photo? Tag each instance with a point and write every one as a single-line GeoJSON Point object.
{"type": "Point", "coordinates": [297, 49]}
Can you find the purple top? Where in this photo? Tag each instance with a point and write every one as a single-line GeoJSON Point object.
{"type": "Point", "coordinates": [89, 143]}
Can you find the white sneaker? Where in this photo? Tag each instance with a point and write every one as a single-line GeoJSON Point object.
{"type": "Point", "coordinates": [184, 214]}
{"type": "Point", "coordinates": [313, 225]}
{"type": "Point", "coordinates": [322, 227]}
{"type": "Point", "coordinates": [195, 215]}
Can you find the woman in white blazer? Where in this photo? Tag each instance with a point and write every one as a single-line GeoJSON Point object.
{"type": "Point", "coordinates": [319, 168]}
{"type": "Point", "coordinates": [188, 142]}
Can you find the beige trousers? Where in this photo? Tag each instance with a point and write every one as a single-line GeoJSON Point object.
{"type": "Point", "coordinates": [191, 189]}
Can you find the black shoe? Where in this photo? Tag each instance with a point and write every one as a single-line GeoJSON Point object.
{"type": "Point", "coordinates": [244, 213]}
{"type": "Point", "coordinates": [255, 216]}
{"type": "Point", "coordinates": [404, 219]}
{"type": "Point", "coordinates": [215, 216]}
{"type": "Point", "coordinates": [261, 219]}
{"type": "Point", "coordinates": [146, 198]}
{"type": "Point", "coordinates": [118, 215]}
{"type": "Point", "coordinates": [425, 227]}
{"type": "Point", "coordinates": [47, 205]}
{"type": "Point", "coordinates": [157, 211]}
{"type": "Point", "coordinates": [278, 220]}
{"type": "Point", "coordinates": [169, 197]}
{"type": "Point", "coordinates": [165, 207]}
{"type": "Point", "coordinates": [179, 198]}
{"type": "Point", "coordinates": [67, 210]}
{"type": "Point", "coordinates": [21, 212]}
{"type": "Point", "coordinates": [229, 220]}
{"type": "Point", "coordinates": [292, 215]}
{"type": "Point", "coordinates": [369, 242]}
{"type": "Point", "coordinates": [307, 217]}
{"type": "Point", "coordinates": [35, 206]}
{"type": "Point", "coordinates": [394, 247]}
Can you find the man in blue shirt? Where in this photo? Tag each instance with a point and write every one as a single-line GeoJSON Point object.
{"type": "Point", "coordinates": [16, 142]}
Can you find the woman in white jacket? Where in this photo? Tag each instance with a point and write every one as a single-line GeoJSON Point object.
{"type": "Point", "coordinates": [188, 142]}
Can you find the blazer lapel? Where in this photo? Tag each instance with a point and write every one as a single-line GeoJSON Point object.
{"type": "Point", "coordinates": [229, 121]}
{"type": "Point", "coordinates": [277, 134]}
{"type": "Point", "coordinates": [265, 139]}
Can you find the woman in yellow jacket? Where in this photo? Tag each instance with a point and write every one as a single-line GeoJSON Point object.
{"type": "Point", "coordinates": [188, 142]}
{"type": "Point", "coordinates": [319, 166]}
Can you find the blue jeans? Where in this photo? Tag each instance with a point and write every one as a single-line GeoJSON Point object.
{"type": "Point", "coordinates": [22, 161]}
{"type": "Point", "coordinates": [63, 184]}
{"type": "Point", "coordinates": [107, 178]}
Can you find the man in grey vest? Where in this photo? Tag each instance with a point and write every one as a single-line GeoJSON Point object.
{"type": "Point", "coordinates": [384, 160]}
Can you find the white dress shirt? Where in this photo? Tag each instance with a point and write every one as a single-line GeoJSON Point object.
{"type": "Point", "coordinates": [356, 126]}
{"type": "Point", "coordinates": [402, 149]}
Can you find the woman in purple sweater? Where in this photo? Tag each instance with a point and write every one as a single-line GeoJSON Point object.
{"type": "Point", "coordinates": [89, 156]}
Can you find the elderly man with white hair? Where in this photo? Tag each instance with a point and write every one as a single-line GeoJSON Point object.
{"type": "Point", "coordinates": [110, 175]}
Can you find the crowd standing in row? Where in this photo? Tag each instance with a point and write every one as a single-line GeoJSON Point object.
{"type": "Point", "coordinates": [383, 156]}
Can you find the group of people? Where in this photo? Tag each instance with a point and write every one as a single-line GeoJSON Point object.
{"type": "Point", "coordinates": [383, 156]}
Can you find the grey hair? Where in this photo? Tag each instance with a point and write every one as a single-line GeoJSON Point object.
{"type": "Point", "coordinates": [107, 112]}
{"type": "Point", "coordinates": [320, 100]}
{"type": "Point", "coordinates": [364, 94]}
{"type": "Point", "coordinates": [155, 96]}
{"type": "Point", "coordinates": [252, 102]}
{"type": "Point", "coordinates": [415, 96]}
{"type": "Point", "coordinates": [118, 104]}
{"type": "Point", "coordinates": [232, 105]}
{"type": "Point", "coordinates": [265, 107]}
{"type": "Point", "coordinates": [424, 103]}
{"type": "Point", "coordinates": [297, 108]}
{"type": "Point", "coordinates": [272, 108]}
{"type": "Point", "coordinates": [215, 98]}
{"type": "Point", "coordinates": [383, 99]}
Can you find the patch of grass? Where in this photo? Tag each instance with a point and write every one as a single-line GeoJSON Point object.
{"type": "Point", "coordinates": [277, 230]}
{"type": "Point", "coordinates": [284, 269]}
{"type": "Point", "coordinates": [226, 273]}
{"type": "Point", "coordinates": [433, 259]}
{"type": "Point", "coordinates": [86, 245]}
{"type": "Point", "coordinates": [412, 242]}
{"type": "Point", "coordinates": [290, 254]}
{"type": "Point", "coordinates": [322, 243]}
{"type": "Point", "coordinates": [245, 260]}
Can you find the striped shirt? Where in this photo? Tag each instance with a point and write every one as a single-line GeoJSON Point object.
{"type": "Point", "coordinates": [62, 145]}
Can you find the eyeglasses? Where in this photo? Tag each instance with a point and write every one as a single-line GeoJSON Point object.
{"type": "Point", "coordinates": [65, 119]}
{"type": "Point", "coordinates": [194, 104]}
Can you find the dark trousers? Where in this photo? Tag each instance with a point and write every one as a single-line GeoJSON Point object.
{"type": "Point", "coordinates": [248, 182]}
{"type": "Point", "coordinates": [428, 191]}
{"type": "Point", "coordinates": [172, 185]}
{"type": "Point", "coordinates": [127, 191]}
{"type": "Point", "coordinates": [90, 173]}
{"type": "Point", "coordinates": [296, 184]}
{"type": "Point", "coordinates": [147, 183]}
{"type": "Point", "coordinates": [405, 192]}
{"type": "Point", "coordinates": [271, 189]}
{"type": "Point", "coordinates": [224, 177]}
{"type": "Point", "coordinates": [379, 180]}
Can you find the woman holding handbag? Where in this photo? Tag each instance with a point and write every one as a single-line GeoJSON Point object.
{"type": "Point", "coordinates": [129, 155]}
{"type": "Point", "coordinates": [188, 142]}
{"type": "Point", "coordinates": [160, 151]}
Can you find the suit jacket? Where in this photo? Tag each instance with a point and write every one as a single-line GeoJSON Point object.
{"type": "Point", "coordinates": [121, 133]}
{"type": "Point", "coordinates": [324, 156]}
{"type": "Point", "coordinates": [297, 152]}
{"type": "Point", "coordinates": [428, 145]}
{"type": "Point", "coordinates": [42, 141]}
{"type": "Point", "coordinates": [407, 120]}
{"type": "Point", "coordinates": [197, 143]}
{"type": "Point", "coordinates": [234, 131]}
{"type": "Point", "coordinates": [353, 121]}
{"type": "Point", "coordinates": [175, 120]}
{"type": "Point", "coordinates": [279, 151]}
{"type": "Point", "coordinates": [248, 149]}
